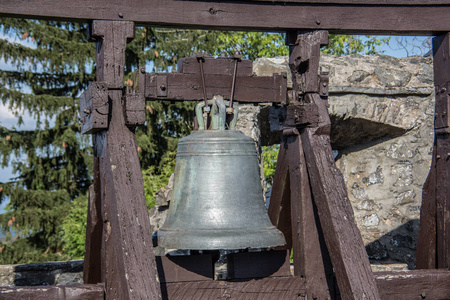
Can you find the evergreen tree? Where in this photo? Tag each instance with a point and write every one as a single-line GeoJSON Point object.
{"type": "Point", "coordinates": [52, 161]}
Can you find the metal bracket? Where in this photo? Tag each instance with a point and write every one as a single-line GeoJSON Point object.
{"type": "Point", "coordinates": [161, 86]}
{"type": "Point", "coordinates": [323, 84]}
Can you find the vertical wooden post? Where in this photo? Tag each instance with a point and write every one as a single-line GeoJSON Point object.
{"type": "Point", "coordinates": [128, 266]}
{"type": "Point", "coordinates": [342, 237]}
{"type": "Point", "coordinates": [433, 245]}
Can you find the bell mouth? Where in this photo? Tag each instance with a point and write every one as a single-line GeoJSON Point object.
{"type": "Point", "coordinates": [210, 239]}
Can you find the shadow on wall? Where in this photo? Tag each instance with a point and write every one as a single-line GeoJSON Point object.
{"type": "Point", "coordinates": [396, 246]}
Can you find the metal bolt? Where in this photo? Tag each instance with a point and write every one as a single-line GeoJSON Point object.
{"type": "Point", "coordinates": [317, 21]}
{"type": "Point", "coordinates": [423, 295]}
{"type": "Point", "coordinates": [443, 90]}
{"type": "Point", "coordinates": [120, 15]}
{"type": "Point", "coordinates": [324, 84]}
{"type": "Point", "coordinates": [438, 156]}
{"type": "Point", "coordinates": [162, 87]}
{"type": "Point", "coordinates": [87, 111]}
{"type": "Point", "coordinates": [212, 11]}
{"type": "Point", "coordinates": [142, 70]}
{"type": "Point", "coordinates": [444, 113]}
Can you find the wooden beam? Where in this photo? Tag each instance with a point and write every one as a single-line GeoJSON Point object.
{"type": "Point", "coordinates": [398, 285]}
{"type": "Point", "coordinates": [433, 245]}
{"type": "Point", "coordinates": [188, 87]}
{"type": "Point", "coordinates": [412, 285]}
{"type": "Point", "coordinates": [75, 292]}
{"type": "Point", "coordinates": [342, 236]}
{"type": "Point", "coordinates": [128, 263]}
{"type": "Point", "coordinates": [311, 257]}
{"type": "Point", "coordinates": [380, 17]}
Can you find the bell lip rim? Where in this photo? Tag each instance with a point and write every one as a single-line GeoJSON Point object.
{"type": "Point", "coordinates": [274, 239]}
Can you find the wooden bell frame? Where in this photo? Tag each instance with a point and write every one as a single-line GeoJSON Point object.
{"type": "Point", "coordinates": [309, 201]}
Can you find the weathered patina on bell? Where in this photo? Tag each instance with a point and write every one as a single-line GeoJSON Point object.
{"type": "Point", "coordinates": [217, 200]}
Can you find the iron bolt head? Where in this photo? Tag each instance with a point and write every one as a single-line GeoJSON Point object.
{"type": "Point", "coordinates": [162, 87]}
{"type": "Point", "coordinates": [120, 15]}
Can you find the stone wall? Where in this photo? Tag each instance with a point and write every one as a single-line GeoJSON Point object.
{"type": "Point", "coordinates": [382, 112]}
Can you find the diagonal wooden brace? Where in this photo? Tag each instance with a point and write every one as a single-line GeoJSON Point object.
{"type": "Point", "coordinates": [119, 249]}
{"type": "Point", "coordinates": [342, 237]}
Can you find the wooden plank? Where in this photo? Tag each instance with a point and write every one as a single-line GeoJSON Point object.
{"type": "Point", "coordinates": [185, 268]}
{"type": "Point", "coordinates": [311, 257]}
{"type": "Point", "coordinates": [92, 270]}
{"type": "Point", "coordinates": [129, 269]}
{"type": "Point", "coordinates": [342, 236]}
{"type": "Point", "coordinates": [75, 292]}
{"type": "Point", "coordinates": [94, 108]}
{"type": "Point", "coordinates": [365, 2]}
{"type": "Point", "coordinates": [412, 285]}
{"type": "Point", "coordinates": [188, 87]}
{"type": "Point", "coordinates": [274, 263]}
{"type": "Point", "coordinates": [441, 63]}
{"type": "Point", "coordinates": [236, 15]}
{"type": "Point", "coordinates": [280, 199]}
{"type": "Point", "coordinates": [111, 55]}
{"type": "Point", "coordinates": [426, 239]}
{"type": "Point", "coordinates": [264, 288]}
{"type": "Point", "coordinates": [399, 285]}
{"type": "Point", "coordinates": [443, 200]}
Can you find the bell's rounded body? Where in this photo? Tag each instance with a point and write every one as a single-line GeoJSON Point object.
{"type": "Point", "coordinates": [217, 200]}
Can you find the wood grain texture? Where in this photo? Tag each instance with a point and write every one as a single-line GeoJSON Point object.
{"type": "Point", "coordinates": [310, 254]}
{"type": "Point", "coordinates": [188, 87]}
{"type": "Point", "coordinates": [94, 108]}
{"type": "Point", "coordinates": [414, 19]}
{"type": "Point", "coordinates": [280, 199]}
{"type": "Point", "coordinates": [342, 236]}
{"type": "Point", "coordinates": [365, 2]}
{"type": "Point", "coordinates": [426, 239]}
{"type": "Point", "coordinates": [399, 285]}
{"type": "Point", "coordinates": [129, 268]}
{"type": "Point", "coordinates": [414, 285]}
{"type": "Point", "coordinates": [215, 66]}
{"type": "Point", "coordinates": [76, 292]}
{"type": "Point", "coordinates": [92, 270]}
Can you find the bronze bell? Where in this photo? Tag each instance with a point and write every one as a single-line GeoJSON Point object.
{"type": "Point", "coordinates": [217, 199]}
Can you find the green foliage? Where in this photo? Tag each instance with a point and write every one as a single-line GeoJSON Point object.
{"type": "Point", "coordinates": [353, 44]}
{"type": "Point", "coordinates": [74, 228]}
{"type": "Point", "coordinates": [52, 161]}
{"type": "Point", "coordinates": [251, 45]}
{"type": "Point", "coordinates": [157, 178]}
{"type": "Point", "coordinates": [269, 158]}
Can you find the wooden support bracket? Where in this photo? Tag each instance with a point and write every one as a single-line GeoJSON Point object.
{"type": "Point", "coordinates": [127, 265]}
{"type": "Point", "coordinates": [187, 85]}
{"type": "Point", "coordinates": [94, 108]}
{"type": "Point", "coordinates": [433, 244]}
{"type": "Point", "coordinates": [320, 207]}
